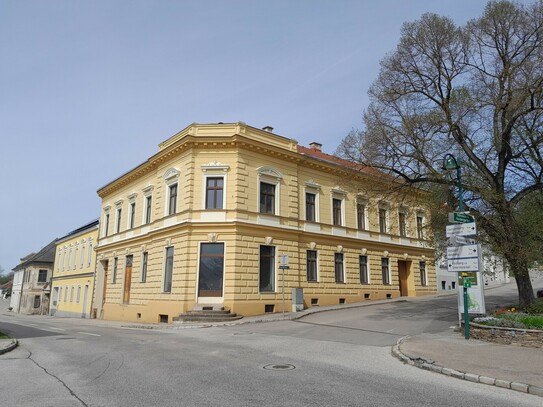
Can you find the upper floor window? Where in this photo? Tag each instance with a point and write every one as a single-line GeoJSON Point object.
{"type": "Point", "coordinates": [147, 204]}
{"type": "Point", "coordinates": [76, 252]}
{"type": "Point", "coordinates": [383, 220]}
{"type": "Point", "coordinates": [267, 198]}
{"type": "Point", "coordinates": [42, 276]}
{"type": "Point", "coordinates": [172, 199]}
{"type": "Point", "coordinates": [419, 227]}
{"type": "Point", "coordinates": [310, 207]}
{"type": "Point", "coordinates": [58, 261]}
{"type": "Point", "coordinates": [89, 256]}
{"type": "Point", "coordinates": [361, 215]}
{"type": "Point", "coordinates": [82, 253]}
{"type": "Point", "coordinates": [69, 258]}
{"type": "Point", "coordinates": [118, 221]}
{"type": "Point", "coordinates": [269, 182]}
{"type": "Point", "coordinates": [336, 211]}
{"type": "Point", "coordinates": [106, 224]}
{"type": "Point", "coordinates": [132, 215]}
{"type": "Point", "coordinates": [402, 224]}
{"type": "Point", "coordinates": [214, 192]}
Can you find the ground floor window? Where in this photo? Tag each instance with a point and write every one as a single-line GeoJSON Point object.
{"type": "Point", "coordinates": [363, 265]}
{"type": "Point", "coordinates": [168, 270]}
{"type": "Point", "coordinates": [311, 265]}
{"type": "Point", "coordinates": [385, 270]}
{"type": "Point", "coordinates": [338, 268]}
{"type": "Point", "coordinates": [37, 301]}
{"type": "Point", "coordinates": [422, 268]}
{"type": "Point", "coordinates": [211, 270]}
{"type": "Point", "coordinates": [267, 269]}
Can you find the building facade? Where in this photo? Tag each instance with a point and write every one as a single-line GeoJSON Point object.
{"type": "Point", "coordinates": [206, 220]}
{"type": "Point", "coordinates": [36, 271]}
{"type": "Point", "coordinates": [73, 273]}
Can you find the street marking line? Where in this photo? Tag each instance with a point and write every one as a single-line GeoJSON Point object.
{"type": "Point", "coordinates": [56, 329]}
{"type": "Point", "coordinates": [87, 333]}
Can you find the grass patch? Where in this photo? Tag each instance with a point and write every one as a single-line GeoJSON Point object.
{"type": "Point", "coordinates": [4, 336]}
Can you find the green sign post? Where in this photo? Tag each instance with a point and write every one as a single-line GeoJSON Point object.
{"type": "Point", "coordinates": [461, 217]}
{"type": "Point", "coordinates": [467, 284]}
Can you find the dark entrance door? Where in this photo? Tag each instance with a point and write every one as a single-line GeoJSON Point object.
{"type": "Point", "coordinates": [210, 280]}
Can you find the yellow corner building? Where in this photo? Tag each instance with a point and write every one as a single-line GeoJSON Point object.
{"type": "Point", "coordinates": [73, 273]}
{"type": "Point", "coordinates": [206, 221]}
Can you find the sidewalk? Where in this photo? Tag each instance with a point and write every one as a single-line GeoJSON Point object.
{"type": "Point", "coordinates": [509, 366]}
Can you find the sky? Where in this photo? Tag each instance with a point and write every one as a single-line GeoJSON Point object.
{"type": "Point", "coordinates": [88, 89]}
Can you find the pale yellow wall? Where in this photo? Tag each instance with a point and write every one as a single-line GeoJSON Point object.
{"type": "Point", "coordinates": [78, 273]}
{"type": "Point", "coordinates": [242, 230]}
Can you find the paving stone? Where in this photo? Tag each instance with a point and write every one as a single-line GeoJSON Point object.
{"type": "Point", "coordinates": [538, 391]}
{"type": "Point", "coordinates": [487, 380]}
{"type": "Point", "coordinates": [503, 383]}
{"type": "Point", "coordinates": [471, 377]}
{"type": "Point", "coordinates": [519, 387]}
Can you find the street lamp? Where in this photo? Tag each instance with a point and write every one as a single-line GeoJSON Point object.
{"type": "Point", "coordinates": [450, 163]}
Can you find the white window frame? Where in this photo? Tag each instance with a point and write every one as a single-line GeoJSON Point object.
{"type": "Point", "coordinates": [147, 193]}
{"type": "Point", "coordinates": [171, 177]}
{"type": "Point", "coordinates": [343, 268]}
{"type": "Point", "coordinates": [163, 285]}
{"type": "Point", "coordinates": [78, 295]}
{"type": "Point", "coordinates": [131, 218]}
{"type": "Point", "coordinates": [275, 255]}
{"type": "Point", "coordinates": [269, 175]}
{"type": "Point", "coordinates": [83, 242]}
{"type": "Point", "coordinates": [385, 208]}
{"type": "Point", "coordinates": [76, 252]}
{"type": "Point", "coordinates": [317, 264]}
{"type": "Point", "coordinates": [214, 170]}
{"type": "Point", "coordinates": [66, 293]}
{"type": "Point", "coordinates": [89, 255]}
{"type": "Point", "coordinates": [143, 273]}
{"type": "Point", "coordinates": [118, 215]}
{"type": "Point", "coordinates": [404, 212]}
{"type": "Point", "coordinates": [105, 227]}
{"type": "Point", "coordinates": [389, 276]}
{"type": "Point", "coordinates": [339, 194]}
{"type": "Point", "coordinates": [311, 187]}
{"type": "Point", "coordinates": [420, 214]}
{"type": "Point", "coordinates": [72, 291]}
{"type": "Point", "coordinates": [59, 257]}
{"type": "Point", "coordinates": [68, 267]}
{"type": "Point", "coordinates": [423, 283]}
{"type": "Point", "coordinates": [365, 204]}
{"type": "Point", "coordinates": [60, 294]}
{"type": "Point", "coordinates": [367, 268]}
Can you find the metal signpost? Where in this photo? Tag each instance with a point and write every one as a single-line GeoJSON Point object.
{"type": "Point", "coordinates": [284, 266]}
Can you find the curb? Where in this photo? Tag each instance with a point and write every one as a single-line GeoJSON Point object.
{"type": "Point", "coordinates": [471, 377]}
{"type": "Point", "coordinates": [14, 343]}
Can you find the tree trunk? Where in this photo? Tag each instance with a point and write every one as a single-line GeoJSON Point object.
{"type": "Point", "coordinates": [522, 276]}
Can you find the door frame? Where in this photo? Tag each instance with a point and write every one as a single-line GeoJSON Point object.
{"type": "Point", "coordinates": [209, 300]}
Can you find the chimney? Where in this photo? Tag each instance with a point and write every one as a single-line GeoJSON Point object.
{"type": "Point", "coordinates": [269, 129]}
{"type": "Point", "coordinates": [315, 146]}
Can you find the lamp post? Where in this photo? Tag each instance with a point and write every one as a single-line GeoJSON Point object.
{"type": "Point", "coordinates": [450, 163]}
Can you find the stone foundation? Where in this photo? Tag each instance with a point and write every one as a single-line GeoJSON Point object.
{"type": "Point", "coordinates": [531, 338]}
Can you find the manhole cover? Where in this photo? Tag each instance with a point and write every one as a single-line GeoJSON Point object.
{"type": "Point", "coordinates": [284, 366]}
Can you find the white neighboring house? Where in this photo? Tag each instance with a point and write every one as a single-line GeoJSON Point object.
{"type": "Point", "coordinates": [495, 272]}
{"type": "Point", "coordinates": [17, 288]}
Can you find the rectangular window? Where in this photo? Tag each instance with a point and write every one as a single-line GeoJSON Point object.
{"type": "Point", "coordinates": [336, 211]}
{"type": "Point", "coordinates": [148, 202]}
{"type": "Point", "coordinates": [82, 253]}
{"type": "Point", "coordinates": [214, 192]}
{"type": "Point", "coordinates": [75, 255]}
{"type": "Point", "coordinates": [66, 294]}
{"type": "Point", "coordinates": [89, 256]}
{"type": "Point", "coordinates": [60, 294]}
{"type": "Point", "coordinates": [132, 214]}
{"type": "Point", "coordinates": [422, 268]}
{"type": "Point", "coordinates": [144, 259]}
{"type": "Point", "coordinates": [361, 216]}
{"type": "Point", "coordinates": [78, 296]}
{"type": "Point", "coordinates": [363, 265]}
{"type": "Point", "coordinates": [37, 301]}
{"type": "Point", "coordinates": [58, 263]}
{"type": "Point", "coordinates": [401, 224]}
{"type": "Point", "coordinates": [267, 269]}
{"type": "Point", "coordinates": [311, 265]}
{"type": "Point", "coordinates": [383, 220]}
{"type": "Point", "coordinates": [114, 274]}
{"type": "Point", "coordinates": [338, 268]}
{"type": "Point", "coordinates": [168, 270]}
{"type": "Point", "coordinates": [172, 206]}
{"type": "Point", "coordinates": [267, 198]}
{"type": "Point", "coordinates": [106, 225]}
{"type": "Point", "coordinates": [119, 215]}
{"type": "Point", "coordinates": [385, 270]}
{"type": "Point", "coordinates": [419, 227]}
{"type": "Point", "coordinates": [42, 276]}
{"type": "Point", "coordinates": [72, 294]}
{"type": "Point", "coordinates": [310, 210]}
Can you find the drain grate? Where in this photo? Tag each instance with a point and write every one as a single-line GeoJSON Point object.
{"type": "Point", "coordinates": [283, 366]}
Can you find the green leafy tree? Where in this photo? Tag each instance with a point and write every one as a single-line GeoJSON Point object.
{"type": "Point", "coordinates": [474, 91]}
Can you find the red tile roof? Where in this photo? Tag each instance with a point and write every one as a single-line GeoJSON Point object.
{"type": "Point", "coordinates": [312, 152]}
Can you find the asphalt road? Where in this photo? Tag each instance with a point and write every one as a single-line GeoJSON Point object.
{"type": "Point", "coordinates": [338, 358]}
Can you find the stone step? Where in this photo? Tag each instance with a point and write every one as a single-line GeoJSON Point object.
{"type": "Point", "coordinates": [203, 313]}
{"type": "Point", "coordinates": [186, 318]}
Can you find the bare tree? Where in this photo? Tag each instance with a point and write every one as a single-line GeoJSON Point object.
{"type": "Point", "coordinates": [474, 91]}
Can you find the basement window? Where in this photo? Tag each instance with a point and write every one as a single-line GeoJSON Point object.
{"type": "Point", "coordinates": [269, 308]}
{"type": "Point", "coordinates": [163, 318]}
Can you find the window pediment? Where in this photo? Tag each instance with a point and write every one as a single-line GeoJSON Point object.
{"type": "Point", "coordinates": [310, 184]}
{"type": "Point", "coordinates": [338, 191]}
{"type": "Point", "coordinates": [148, 190]}
{"type": "Point", "coordinates": [171, 174]}
{"type": "Point", "coordinates": [269, 172]}
{"type": "Point", "coordinates": [215, 166]}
